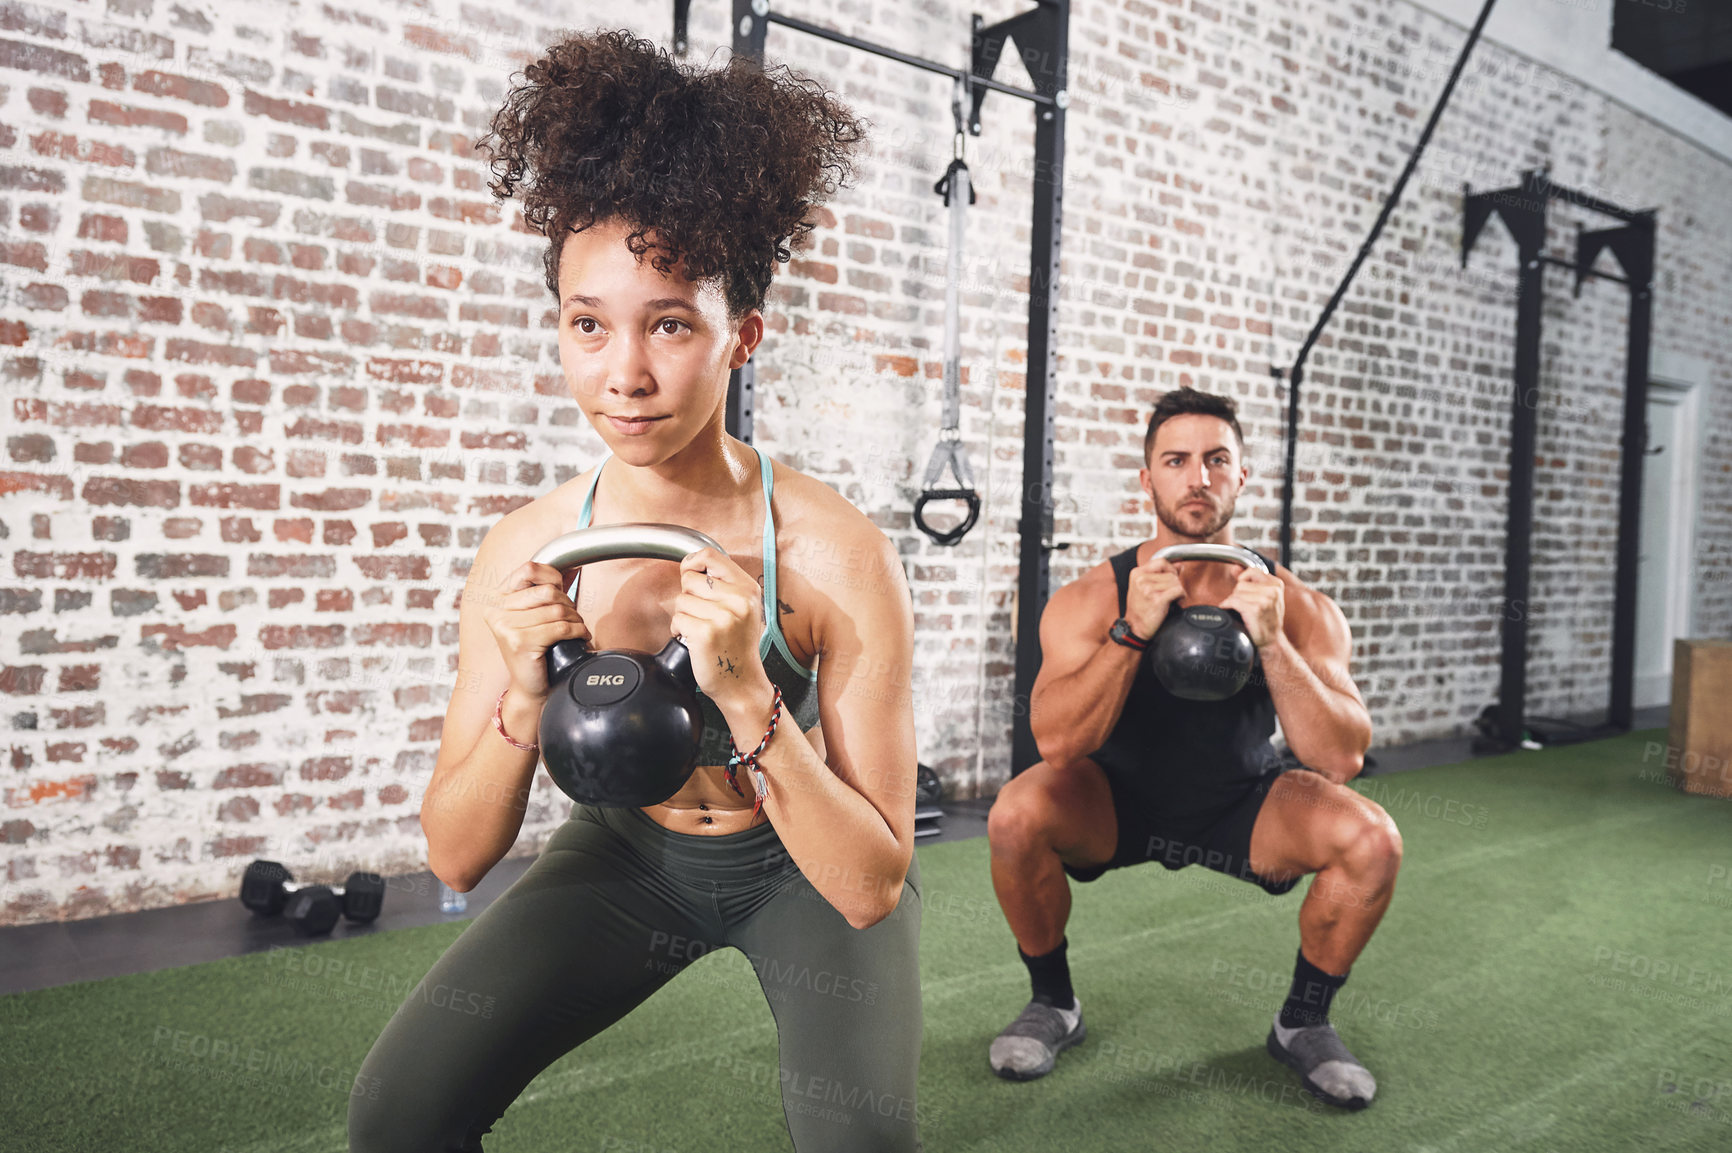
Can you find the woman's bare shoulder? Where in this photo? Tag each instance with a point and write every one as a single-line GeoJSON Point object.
{"type": "Point", "coordinates": [520, 533]}
{"type": "Point", "coordinates": [827, 547]}
{"type": "Point", "coordinates": [811, 512]}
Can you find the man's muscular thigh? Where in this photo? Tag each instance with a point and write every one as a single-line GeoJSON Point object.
{"type": "Point", "coordinates": [1070, 807]}
{"type": "Point", "coordinates": [1306, 823]}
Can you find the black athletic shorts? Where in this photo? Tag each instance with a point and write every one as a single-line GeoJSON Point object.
{"type": "Point", "coordinates": [1178, 831]}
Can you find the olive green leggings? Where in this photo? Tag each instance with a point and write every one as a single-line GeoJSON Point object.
{"type": "Point", "coordinates": [614, 908]}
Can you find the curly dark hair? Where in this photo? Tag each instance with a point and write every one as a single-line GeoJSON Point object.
{"type": "Point", "coordinates": [1189, 400]}
{"type": "Point", "coordinates": [719, 168]}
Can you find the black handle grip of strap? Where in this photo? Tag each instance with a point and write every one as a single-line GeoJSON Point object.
{"type": "Point", "coordinates": [944, 184]}
{"type": "Point", "coordinates": [949, 536]}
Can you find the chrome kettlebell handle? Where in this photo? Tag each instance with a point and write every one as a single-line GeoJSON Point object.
{"type": "Point", "coordinates": [623, 542]}
{"type": "Point", "coordinates": [647, 540]}
{"type": "Point", "coordinates": [1230, 553]}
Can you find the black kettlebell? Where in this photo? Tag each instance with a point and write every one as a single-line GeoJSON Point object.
{"type": "Point", "coordinates": [1203, 653]}
{"type": "Point", "coordinates": [621, 727]}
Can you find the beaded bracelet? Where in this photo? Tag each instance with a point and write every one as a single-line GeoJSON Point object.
{"type": "Point", "coordinates": [499, 723]}
{"type": "Point", "coordinates": [750, 760]}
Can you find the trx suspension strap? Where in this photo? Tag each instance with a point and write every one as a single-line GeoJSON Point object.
{"type": "Point", "coordinates": [958, 192]}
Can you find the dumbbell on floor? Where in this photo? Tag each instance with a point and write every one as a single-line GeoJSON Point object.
{"type": "Point", "coordinates": [268, 889]}
{"type": "Point", "coordinates": [928, 791]}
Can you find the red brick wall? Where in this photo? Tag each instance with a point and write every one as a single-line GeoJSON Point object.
{"type": "Point", "coordinates": [273, 361]}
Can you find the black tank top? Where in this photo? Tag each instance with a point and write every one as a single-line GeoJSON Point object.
{"type": "Point", "coordinates": [1167, 745]}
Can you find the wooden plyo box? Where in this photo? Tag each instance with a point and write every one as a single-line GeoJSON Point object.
{"type": "Point", "coordinates": [1699, 759]}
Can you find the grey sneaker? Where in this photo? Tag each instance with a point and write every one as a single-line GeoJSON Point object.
{"type": "Point", "coordinates": [1328, 1070]}
{"type": "Point", "coordinates": [1029, 1045]}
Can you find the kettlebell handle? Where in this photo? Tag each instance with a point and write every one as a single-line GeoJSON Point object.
{"type": "Point", "coordinates": [1229, 553]}
{"type": "Point", "coordinates": [623, 542]}
{"type": "Point", "coordinates": [620, 542]}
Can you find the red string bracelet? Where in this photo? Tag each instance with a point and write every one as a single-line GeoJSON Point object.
{"type": "Point", "coordinates": [750, 760]}
{"type": "Point", "coordinates": [499, 723]}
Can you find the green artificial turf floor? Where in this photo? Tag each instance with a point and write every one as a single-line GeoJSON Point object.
{"type": "Point", "coordinates": [1555, 973]}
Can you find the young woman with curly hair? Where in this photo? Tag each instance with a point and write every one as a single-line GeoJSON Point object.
{"type": "Point", "coordinates": [668, 197]}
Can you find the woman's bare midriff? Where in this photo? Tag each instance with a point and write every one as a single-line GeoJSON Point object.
{"type": "Point", "coordinates": [706, 807]}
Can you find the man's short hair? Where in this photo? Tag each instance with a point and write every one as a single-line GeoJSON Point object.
{"type": "Point", "coordinates": [1188, 400]}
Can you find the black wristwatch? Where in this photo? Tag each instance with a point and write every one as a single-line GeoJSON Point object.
{"type": "Point", "coordinates": [1121, 634]}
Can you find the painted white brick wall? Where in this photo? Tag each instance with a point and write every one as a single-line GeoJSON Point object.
{"type": "Point", "coordinates": [273, 361]}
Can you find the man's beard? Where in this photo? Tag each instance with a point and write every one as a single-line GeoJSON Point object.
{"type": "Point", "coordinates": [1208, 528]}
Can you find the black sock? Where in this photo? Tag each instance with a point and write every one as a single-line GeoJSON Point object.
{"type": "Point", "coordinates": [1313, 990]}
{"type": "Point", "coordinates": [1050, 976]}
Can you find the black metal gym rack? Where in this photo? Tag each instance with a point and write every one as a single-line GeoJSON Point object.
{"type": "Point", "coordinates": [1041, 37]}
{"type": "Point", "coordinates": [1523, 212]}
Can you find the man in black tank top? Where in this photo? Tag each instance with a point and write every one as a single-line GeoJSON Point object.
{"type": "Point", "coordinates": [1132, 774]}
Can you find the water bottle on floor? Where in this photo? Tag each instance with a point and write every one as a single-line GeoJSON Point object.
{"type": "Point", "coordinates": [450, 900]}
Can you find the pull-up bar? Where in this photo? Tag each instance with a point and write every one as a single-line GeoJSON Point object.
{"type": "Point", "coordinates": [963, 75]}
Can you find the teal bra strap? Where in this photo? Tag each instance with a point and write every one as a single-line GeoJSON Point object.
{"type": "Point", "coordinates": [772, 626]}
{"type": "Point", "coordinates": [589, 497]}
{"type": "Point", "coordinates": [772, 616]}
{"type": "Point", "coordinates": [769, 539]}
